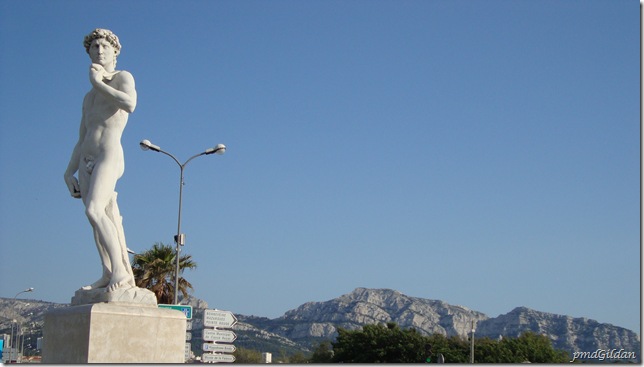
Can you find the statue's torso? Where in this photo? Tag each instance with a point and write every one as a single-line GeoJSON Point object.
{"type": "Point", "coordinates": [104, 124]}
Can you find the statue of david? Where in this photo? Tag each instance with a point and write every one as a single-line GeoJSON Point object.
{"type": "Point", "coordinates": [98, 160]}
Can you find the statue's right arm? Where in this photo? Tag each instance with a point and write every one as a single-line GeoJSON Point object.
{"type": "Point", "coordinates": [72, 166]}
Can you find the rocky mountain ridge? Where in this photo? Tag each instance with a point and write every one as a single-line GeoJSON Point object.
{"type": "Point", "coordinates": [301, 328]}
{"type": "Point", "coordinates": [566, 332]}
{"type": "Point", "coordinates": [320, 320]}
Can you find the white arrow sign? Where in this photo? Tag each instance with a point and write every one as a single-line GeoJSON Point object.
{"type": "Point", "coordinates": [214, 335]}
{"type": "Point", "coordinates": [219, 318]}
{"type": "Point", "coordinates": [216, 358]}
{"type": "Point", "coordinates": [221, 348]}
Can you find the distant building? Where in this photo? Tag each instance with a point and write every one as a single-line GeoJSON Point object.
{"type": "Point", "coordinates": [267, 358]}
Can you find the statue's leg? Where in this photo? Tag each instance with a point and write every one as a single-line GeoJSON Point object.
{"type": "Point", "coordinates": [104, 280]}
{"type": "Point", "coordinates": [99, 196]}
{"type": "Point", "coordinates": [115, 216]}
{"type": "Point", "coordinates": [84, 179]}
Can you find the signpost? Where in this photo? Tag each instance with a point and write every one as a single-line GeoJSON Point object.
{"type": "Point", "coordinates": [214, 335]}
{"type": "Point", "coordinates": [219, 348]}
{"type": "Point", "coordinates": [219, 319]}
{"type": "Point", "coordinates": [216, 358]}
{"type": "Point", "coordinates": [186, 309]}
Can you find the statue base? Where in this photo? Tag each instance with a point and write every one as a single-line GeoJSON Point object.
{"type": "Point", "coordinates": [136, 295]}
{"type": "Point", "coordinates": [114, 333]}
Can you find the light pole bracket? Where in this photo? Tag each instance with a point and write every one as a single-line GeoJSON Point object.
{"type": "Point", "coordinates": [180, 239]}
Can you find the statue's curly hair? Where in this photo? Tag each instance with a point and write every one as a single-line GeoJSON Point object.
{"type": "Point", "coordinates": [103, 33]}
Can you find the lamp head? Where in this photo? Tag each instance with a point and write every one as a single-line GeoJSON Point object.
{"type": "Point", "coordinates": [218, 149]}
{"type": "Point", "coordinates": [146, 144]}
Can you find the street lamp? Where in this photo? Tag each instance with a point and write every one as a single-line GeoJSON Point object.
{"type": "Point", "coordinates": [180, 238]}
{"type": "Point", "coordinates": [13, 322]}
{"type": "Point", "coordinates": [22, 343]}
{"type": "Point", "coordinates": [30, 289]}
{"type": "Point", "coordinates": [472, 344]}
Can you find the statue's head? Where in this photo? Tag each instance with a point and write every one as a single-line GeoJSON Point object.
{"type": "Point", "coordinates": [103, 33]}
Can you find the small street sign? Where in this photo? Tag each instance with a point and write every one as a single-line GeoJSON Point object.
{"type": "Point", "coordinates": [219, 318]}
{"type": "Point", "coordinates": [218, 358]}
{"type": "Point", "coordinates": [187, 351]}
{"type": "Point", "coordinates": [214, 335]}
{"type": "Point", "coordinates": [189, 325]}
{"type": "Point", "coordinates": [188, 335]}
{"type": "Point", "coordinates": [186, 309]}
{"type": "Point", "coordinates": [221, 348]}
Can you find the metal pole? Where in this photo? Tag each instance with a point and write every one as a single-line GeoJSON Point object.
{"type": "Point", "coordinates": [178, 239]}
{"type": "Point", "coordinates": [16, 322]}
{"type": "Point", "coordinates": [472, 345]}
{"type": "Point", "coordinates": [22, 345]}
{"type": "Point", "coordinates": [18, 344]}
{"type": "Point", "coordinates": [15, 352]}
{"type": "Point", "coordinates": [11, 340]}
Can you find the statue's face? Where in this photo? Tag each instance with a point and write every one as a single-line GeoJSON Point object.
{"type": "Point", "coordinates": [101, 52]}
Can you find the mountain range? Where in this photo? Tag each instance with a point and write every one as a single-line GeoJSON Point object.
{"type": "Point", "coordinates": [299, 330]}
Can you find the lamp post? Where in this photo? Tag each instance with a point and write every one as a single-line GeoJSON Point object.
{"type": "Point", "coordinates": [180, 238]}
{"type": "Point", "coordinates": [30, 289]}
{"type": "Point", "coordinates": [472, 344]}
{"type": "Point", "coordinates": [22, 343]}
{"type": "Point", "coordinates": [13, 322]}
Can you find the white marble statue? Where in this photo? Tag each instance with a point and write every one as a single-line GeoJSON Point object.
{"type": "Point", "coordinates": [98, 158]}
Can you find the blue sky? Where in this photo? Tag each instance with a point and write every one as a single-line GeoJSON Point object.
{"type": "Point", "coordinates": [482, 153]}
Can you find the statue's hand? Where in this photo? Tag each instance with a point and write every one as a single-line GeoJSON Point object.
{"type": "Point", "coordinates": [96, 72]}
{"type": "Point", "coordinates": [73, 186]}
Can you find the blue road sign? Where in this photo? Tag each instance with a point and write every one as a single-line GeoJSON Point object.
{"type": "Point", "coordinates": [186, 309]}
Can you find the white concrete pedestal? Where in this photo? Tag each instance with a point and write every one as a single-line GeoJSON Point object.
{"type": "Point", "coordinates": [114, 333]}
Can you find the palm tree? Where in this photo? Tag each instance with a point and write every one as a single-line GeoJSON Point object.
{"type": "Point", "coordinates": [155, 270]}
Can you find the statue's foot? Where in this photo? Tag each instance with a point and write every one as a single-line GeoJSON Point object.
{"type": "Point", "coordinates": [125, 282]}
{"type": "Point", "coordinates": [101, 283]}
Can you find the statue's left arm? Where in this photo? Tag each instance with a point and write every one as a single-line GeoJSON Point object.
{"type": "Point", "coordinates": [124, 95]}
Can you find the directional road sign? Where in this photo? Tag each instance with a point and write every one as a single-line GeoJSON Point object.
{"type": "Point", "coordinates": [216, 358]}
{"type": "Point", "coordinates": [214, 335]}
{"type": "Point", "coordinates": [221, 348]}
{"type": "Point", "coordinates": [219, 318]}
{"type": "Point", "coordinates": [186, 309]}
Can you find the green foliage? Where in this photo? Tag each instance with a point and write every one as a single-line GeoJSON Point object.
{"type": "Point", "coordinates": [390, 344]}
{"type": "Point", "coordinates": [379, 344]}
{"type": "Point", "coordinates": [323, 353]}
{"type": "Point", "coordinates": [155, 269]}
{"type": "Point", "coordinates": [453, 348]}
{"type": "Point", "coordinates": [297, 358]}
{"type": "Point", "coordinates": [534, 348]}
{"type": "Point", "coordinates": [249, 339]}
{"type": "Point", "coordinates": [247, 356]}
